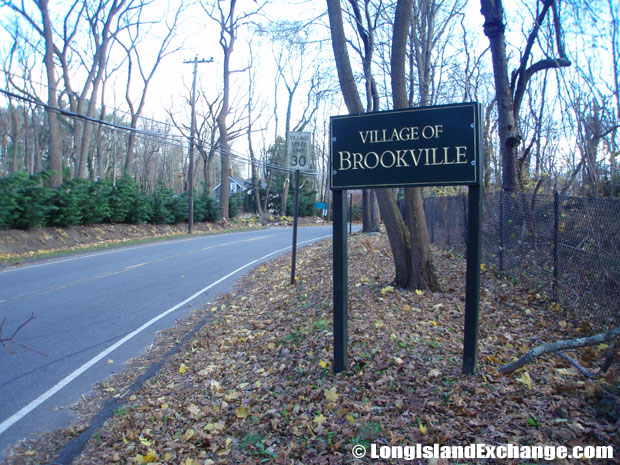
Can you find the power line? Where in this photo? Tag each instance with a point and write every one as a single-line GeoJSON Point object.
{"type": "Point", "coordinates": [77, 97]}
{"type": "Point", "coordinates": [172, 139]}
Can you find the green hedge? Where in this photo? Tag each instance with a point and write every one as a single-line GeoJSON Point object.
{"type": "Point", "coordinates": [27, 201]}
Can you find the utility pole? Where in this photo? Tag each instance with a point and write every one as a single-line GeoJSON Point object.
{"type": "Point", "coordinates": [190, 171]}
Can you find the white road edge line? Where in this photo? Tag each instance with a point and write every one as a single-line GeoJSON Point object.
{"type": "Point", "coordinates": [6, 424]}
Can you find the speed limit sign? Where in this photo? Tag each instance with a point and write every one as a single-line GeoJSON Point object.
{"type": "Point", "coordinates": [298, 157]}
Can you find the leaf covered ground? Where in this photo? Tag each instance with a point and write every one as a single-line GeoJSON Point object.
{"type": "Point", "coordinates": [256, 384]}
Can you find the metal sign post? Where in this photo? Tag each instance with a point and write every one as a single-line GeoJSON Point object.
{"type": "Point", "coordinates": [298, 158]}
{"type": "Point", "coordinates": [431, 146]}
{"type": "Point", "coordinates": [295, 215]}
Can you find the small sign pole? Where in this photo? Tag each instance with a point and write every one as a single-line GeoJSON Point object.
{"type": "Point", "coordinates": [341, 281]}
{"type": "Point", "coordinates": [298, 158]}
{"type": "Point", "coordinates": [295, 216]}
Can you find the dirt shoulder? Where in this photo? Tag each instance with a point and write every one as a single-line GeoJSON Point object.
{"type": "Point", "coordinates": [17, 245]}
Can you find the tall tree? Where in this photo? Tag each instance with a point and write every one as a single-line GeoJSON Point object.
{"type": "Point", "coordinates": [511, 91]}
{"type": "Point", "coordinates": [103, 22]}
{"type": "Point", "coordinates": [398, 235]}
{"type": "Point", "coordinates": [135, 49]}
{"type": "Point", "coordinates": [54, 150]}
{"type": "Point", "coordinates": [251, 107]}
{"type": "Point", "coordinates": [229, 22]}
{"type": "Point", "coordinates": [422, 274]}
{"type": "Point", "coordinates": [45, 29]}
{"type": "Point", "coordinates": [366, 24]}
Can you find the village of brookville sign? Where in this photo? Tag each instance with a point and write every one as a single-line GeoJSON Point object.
{"type": "Point", "coordinates": [430, 146]}
{"type": "Point", "coordinates": [412, 147]}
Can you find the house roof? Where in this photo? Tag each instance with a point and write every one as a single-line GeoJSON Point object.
{"type": "Point", "coordinates": [240, 182]}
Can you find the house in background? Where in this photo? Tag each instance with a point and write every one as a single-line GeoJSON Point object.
{"type": "Point", "coordinates": [235, 185]}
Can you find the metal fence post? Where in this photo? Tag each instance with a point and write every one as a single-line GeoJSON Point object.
{"type": "Point", "coordinates": [501, 230]}
{"type": "Point", "coordinates": [556, 231]}
{"type": "Point", "coordinates": [448, 241]}
{"type": "Point", "coordinates": [432, 215]}
{"type": "Point", "coordinates": [465, 220]}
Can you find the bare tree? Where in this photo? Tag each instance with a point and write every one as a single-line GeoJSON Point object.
{"type": "Point", "coordinates": [80, 38]}
{"type": "Point", "coordinates": [398, 235]}
{"type": "Point", "coordinates": [366, 24]}
{"type": "Point", "coordinates": [298, 68]}
{"type": "Point", "coordinates": [510, 92]}
{"type": "Point", "coordinates": [44, 28]}
{"type": "Point", "coordinates": [593, 116]}
{"type": "Point", "coordinates": [228, 22]}
{"type": "Point", "coordinates": [251, 107]}
{"type": "Point", "coordinates": [134, 48]}
{"type": "Point", "coordinates": [104, 21]}
{"type": "Point", "coordinates": [614, 143]}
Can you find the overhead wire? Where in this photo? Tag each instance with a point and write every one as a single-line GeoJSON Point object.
{"type": "Point", "coordinates": [171, 139]}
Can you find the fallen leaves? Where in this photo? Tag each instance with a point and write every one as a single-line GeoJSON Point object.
{"type": "Point", "coordinates": [256, 384]}
{"type": "Point", "coordinates": [387, 289]}
{"type": "Point", "coordinates": [242, 412]}
{"type": "Point", "coordinates": [525, 379]}
{"type": "Point", "coordinates": [331, 395]}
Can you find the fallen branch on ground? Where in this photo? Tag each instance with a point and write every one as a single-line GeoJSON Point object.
{"type": "Point", "coordinates": [4, 340]}
{"type": "Point", "coordinates": [560, 345]}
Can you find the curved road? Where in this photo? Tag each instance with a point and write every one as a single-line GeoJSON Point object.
{"type": "Point", "coordinates": [108, 306]}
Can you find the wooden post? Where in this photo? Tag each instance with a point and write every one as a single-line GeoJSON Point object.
{"type": "Point", "coordinates": [190, 168]}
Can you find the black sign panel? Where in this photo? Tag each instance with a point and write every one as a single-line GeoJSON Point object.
{"type": "Point", "coordinates": [414, 147]}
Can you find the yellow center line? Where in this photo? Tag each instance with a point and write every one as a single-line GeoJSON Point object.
{"type": "Point", "coordinates": [238, 242]}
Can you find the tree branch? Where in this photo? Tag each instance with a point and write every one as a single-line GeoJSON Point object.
{"type": "Point", "coordinates": [558, 346]}
{"type": "Point", "coordinates": [4, 340]}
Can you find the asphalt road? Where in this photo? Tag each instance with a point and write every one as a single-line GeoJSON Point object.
{"type": "Point", "coordinates": [97, 307]}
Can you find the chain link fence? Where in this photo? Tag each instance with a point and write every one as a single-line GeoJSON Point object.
{"type": "Point", "coordinates": [566, 248]}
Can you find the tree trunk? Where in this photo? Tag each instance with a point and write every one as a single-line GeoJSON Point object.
{"type": "Point", "coordinates": [422, 271]}
{"type": "Point", "coordinates": [494, 29]}
{"type": "Point", "coordinates": [54, 150]}
{"type": "Point", "coordinates": [14, 137]}
{"type": "Point", "coordinates": [227, 40]}
{"type": "Point", "coordinates": [130, 160]}
{"type": "Point", "coordinates": [254, 162]}
{"type": "Point", "coordinates": [398, 236]}
{"type": "Point", "coordinates": [267, 191]}
{"type": "Point", "coordinates": [285, 189]}
{"type": "Point", "coordinates": [366, 205]}
{"type": "Point", "coordinates": [396, 230]}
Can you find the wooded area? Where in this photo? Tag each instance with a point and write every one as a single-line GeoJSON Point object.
{"type": "Point", "coordinates": [79, 75]}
